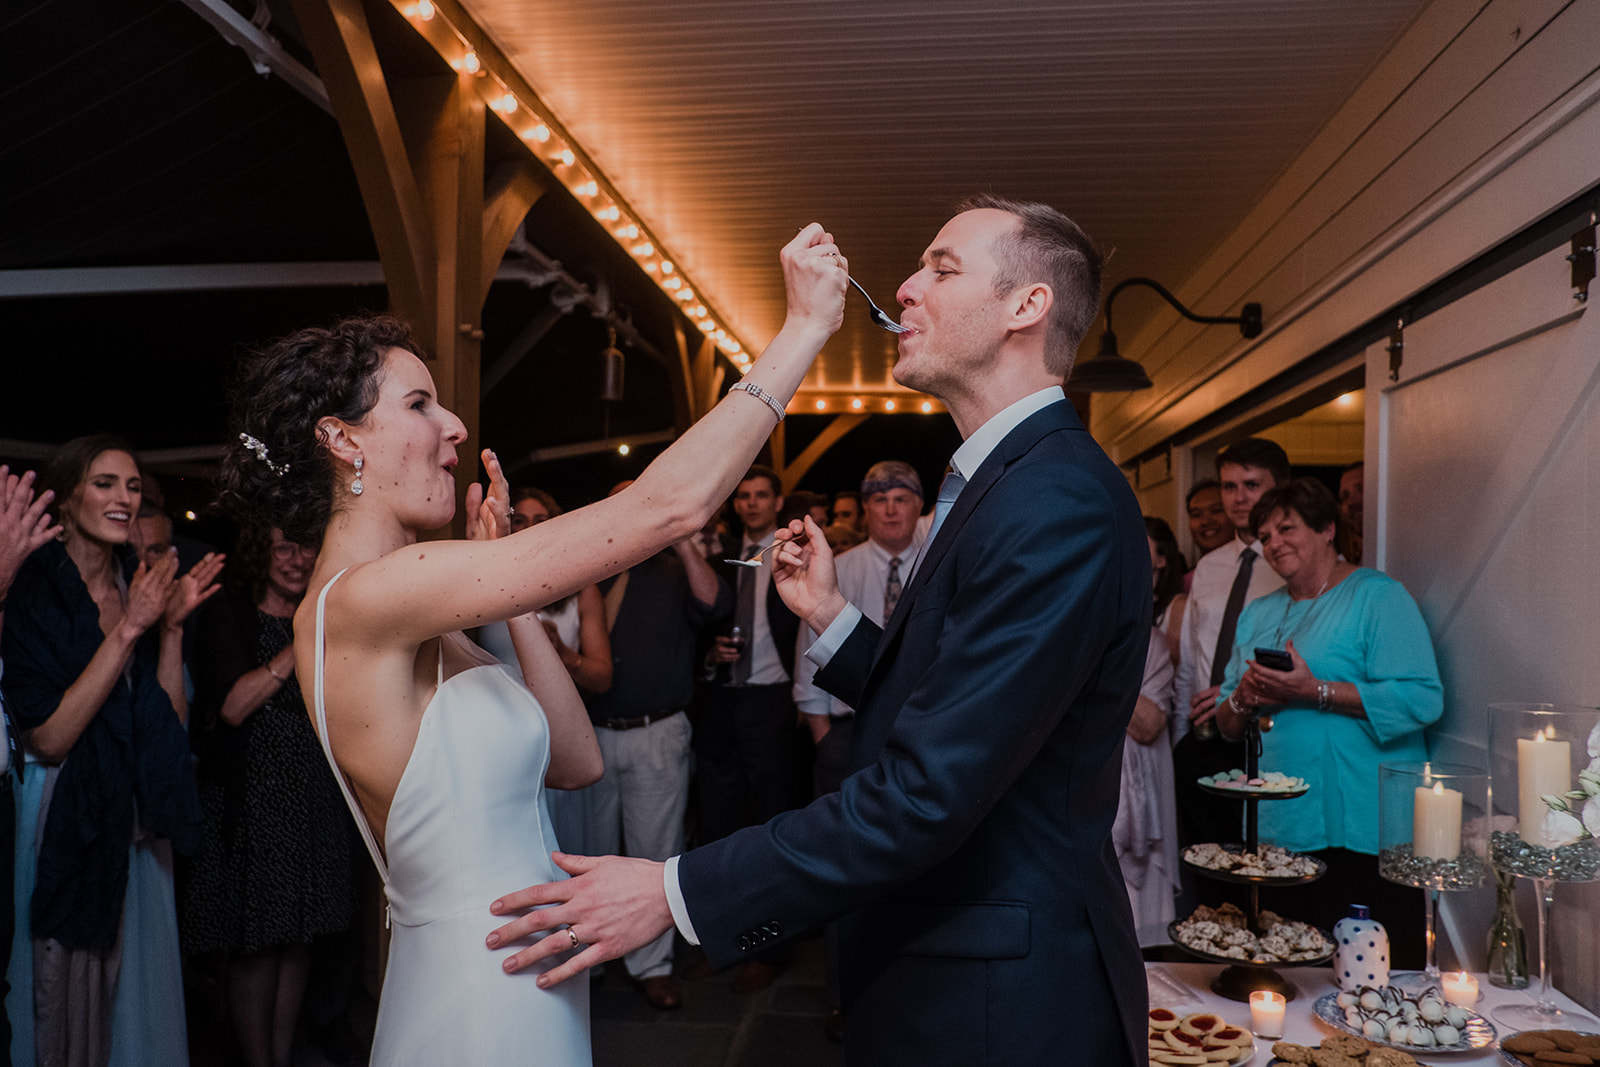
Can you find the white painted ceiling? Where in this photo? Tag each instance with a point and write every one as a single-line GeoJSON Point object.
{"type": "Point", "coordinates": [727, 125]}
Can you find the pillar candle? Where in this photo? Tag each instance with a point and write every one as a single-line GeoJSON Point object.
{"type": "Point", "coordinates": [1436, 823]}
{"type": "Point", "coordinates": [1543, 767]}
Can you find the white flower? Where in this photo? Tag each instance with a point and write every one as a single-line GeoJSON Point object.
{"type": "Point", "coordinates": [1589, 779]}
{"type": "Point", "coordinates": [1591, 816]}
{"type": "Point", "coordinates": [1594, 742]}
{"type": "Point", "coordinates": [1559, 829]}
{"type": "Point", "coordinates": [1553, 802]}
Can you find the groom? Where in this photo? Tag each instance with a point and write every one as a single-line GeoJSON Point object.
{"type": "Point", "coordinates": [968, 859]}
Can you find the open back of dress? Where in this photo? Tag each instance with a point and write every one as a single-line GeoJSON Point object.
{"type": "Point", "coordinates": [467, 825]}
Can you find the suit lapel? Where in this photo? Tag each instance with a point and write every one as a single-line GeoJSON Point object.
{"type": "Point", "coordinates": [1012, 447]}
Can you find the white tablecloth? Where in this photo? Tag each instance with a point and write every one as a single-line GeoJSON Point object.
{"type": "Point", "coordinates": [1186, 988]}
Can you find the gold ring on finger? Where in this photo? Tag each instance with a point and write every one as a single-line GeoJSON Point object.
{"type": "Point", "coordinates": [573, 935]}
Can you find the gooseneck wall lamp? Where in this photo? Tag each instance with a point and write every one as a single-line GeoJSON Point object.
{"type": "Point", "coordinates": [1110, 372]}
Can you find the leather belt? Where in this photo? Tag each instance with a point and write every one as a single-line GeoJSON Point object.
{"type": "Point", "coordinates": [642, 720]}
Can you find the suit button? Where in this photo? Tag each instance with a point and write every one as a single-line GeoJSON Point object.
{"type": "Point", "coordinates": [777, 928]}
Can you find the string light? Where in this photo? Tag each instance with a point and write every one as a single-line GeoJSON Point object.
{"type": "Point", "coordinates": [623, 450]}
{"type": "Point", "coordinates": [888, 405]}
{"type": "Point", "coordinates": [927, 406]}
{"type": "Point", "coordinates": [855, 404]}
{"type": "Point", "coordinates": [502, 99]}
{"type": "Point", "coordinates": [822, 405]}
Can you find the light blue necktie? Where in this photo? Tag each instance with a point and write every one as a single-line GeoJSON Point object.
{"type": "Point", "coordinates": [949, 489]}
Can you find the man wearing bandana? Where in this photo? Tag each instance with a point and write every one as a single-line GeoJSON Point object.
{"type": "Point", "coordinates": [871, 576]}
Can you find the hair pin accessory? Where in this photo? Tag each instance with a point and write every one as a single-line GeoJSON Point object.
{"type": "Point", "coordinates": [260, 449]}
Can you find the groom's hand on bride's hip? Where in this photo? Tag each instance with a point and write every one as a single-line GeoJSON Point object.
{"type": "Point", "coordinates": [611, 904]}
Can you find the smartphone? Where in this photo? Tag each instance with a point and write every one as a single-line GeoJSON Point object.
{"type": "Point", "coordinates": [1275, 659]}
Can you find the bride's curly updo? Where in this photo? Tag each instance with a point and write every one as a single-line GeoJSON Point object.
{"type": "Point", "coordinates": [275, 469]}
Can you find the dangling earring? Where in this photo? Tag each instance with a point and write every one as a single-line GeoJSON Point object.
{"type": "Point", "coordinates": [355, 486]}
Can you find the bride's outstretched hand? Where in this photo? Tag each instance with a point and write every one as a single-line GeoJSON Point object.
{"type": "Point", "coordinates": [611, 904]}
{"type": "Point", "coordinates": [489, 514]}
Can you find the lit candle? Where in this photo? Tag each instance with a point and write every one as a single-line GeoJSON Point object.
{"type": "Point", "coordinates": [1266, 1013]}
{"type": "Point", "coordinates": [1544, 767]}
{"type": "Point", "coordinates": [1460, 988]}
{"type": "Point", "coordinates": [1436, 823]}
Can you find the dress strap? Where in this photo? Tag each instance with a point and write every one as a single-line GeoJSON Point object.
{"type": "Point", "coordinates": [327, 748]}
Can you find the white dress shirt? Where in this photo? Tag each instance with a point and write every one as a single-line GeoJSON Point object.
{"type": "Point", "coordinates": [966, 461]}
{"type": "Point", "coordinates": [766, 667]}
{"type": "Point", "coordinates": [863, 574]}
{"type": "Point", "coordinates": [1202, 619]}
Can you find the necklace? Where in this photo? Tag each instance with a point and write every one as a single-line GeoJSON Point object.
{"type": "Point", "coordinates": [1290, 602]}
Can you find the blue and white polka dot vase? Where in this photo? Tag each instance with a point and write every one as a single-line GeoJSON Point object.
{"type": "Point", "coordinates": [1361, 952]}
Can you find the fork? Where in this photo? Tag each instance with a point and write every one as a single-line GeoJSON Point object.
{"type": "Point", "coordinates": [877, 314]}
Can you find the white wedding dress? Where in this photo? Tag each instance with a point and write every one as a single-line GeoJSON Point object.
{"type": "Point", "coordinates": [467, 825]}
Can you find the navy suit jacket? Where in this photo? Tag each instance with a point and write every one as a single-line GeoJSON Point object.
{"type": "Point", "coordinates": [983, 917]}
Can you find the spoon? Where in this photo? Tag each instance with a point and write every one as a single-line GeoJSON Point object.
{"type": "Point", "coordinates": [755, 560]}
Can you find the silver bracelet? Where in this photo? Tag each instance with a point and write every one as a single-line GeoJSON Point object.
{"type": "Point", "coordinates": [1324, 696]}
{"type": "Point", "coordinates": [762, 395]}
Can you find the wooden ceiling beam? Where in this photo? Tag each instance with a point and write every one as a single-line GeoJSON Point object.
{"type": "Point", "coordinates": [341, 45]}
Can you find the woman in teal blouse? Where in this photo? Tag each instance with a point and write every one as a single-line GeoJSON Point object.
{"type": "Point", "coordinates": [1362, 688]}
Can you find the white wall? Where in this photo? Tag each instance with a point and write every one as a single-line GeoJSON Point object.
{"type": "Point", "coordinates": [1483, 477]}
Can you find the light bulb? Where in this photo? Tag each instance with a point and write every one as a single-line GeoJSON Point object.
{"type": "Point", "coordinates": [856, 404]}
{"type": "Point", "coordinates": [567, 158]}
{"type": "Point", "coordinates": [541, 133]}
{"type": "Point", "coordinates": [822, 405]}
{"type": "Point", "coordinates": [888, 405]}
{"type": "Point", "coordinates": [508, 103]}
{"type": "Point", "coordinates": [666, 266]}
{"type": "Point", "coordinates": [927, 406]}
{"type": "Point", "coordinates": [470, 63]}
{"type": "Point", "coordinates": [622, 450]}
{"type": "Point", "coordinates": [425, 10]}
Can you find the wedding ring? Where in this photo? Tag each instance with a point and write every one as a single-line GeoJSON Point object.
{"type": "Point", "coordinates": [573, 934]}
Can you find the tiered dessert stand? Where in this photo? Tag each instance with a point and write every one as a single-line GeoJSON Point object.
{"type": "Point", "coordinates": [1239, 979]}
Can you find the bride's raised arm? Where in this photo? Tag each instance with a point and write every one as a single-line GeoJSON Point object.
{"type": "Point", "coordinates": [413, 590]}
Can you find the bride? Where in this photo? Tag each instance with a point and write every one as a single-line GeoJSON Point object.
{"type": "Point", "coordinates": [442, 752]}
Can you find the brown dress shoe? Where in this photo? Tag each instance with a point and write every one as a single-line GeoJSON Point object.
{"type": "Point", "coordinates": [754, 977]}
{"type": "Point", "coordinates": [662, 992]}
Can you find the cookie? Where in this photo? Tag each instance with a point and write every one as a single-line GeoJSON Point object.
{"type": "Point", "coordinates": [1561, 1058]}
{"type": "Point", "coordinates": [1327, 1057]}
{"type": "Point", "coordinates": [1289, 1052]}
{"type": "Point", "coordinates": [1348, 1044]}
{"type": "Point", "coordinates": [1527, 1042]}
{"type": "Point", "coordinates": [1390, 1057]}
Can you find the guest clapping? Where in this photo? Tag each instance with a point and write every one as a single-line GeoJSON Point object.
{"type": "Point", "coordinates": [95, 678]}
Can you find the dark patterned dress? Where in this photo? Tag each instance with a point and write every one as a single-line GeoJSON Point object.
{"type": "Point", "coordinates": [275, 862]}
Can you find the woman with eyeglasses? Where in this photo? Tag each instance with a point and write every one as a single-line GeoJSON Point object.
{"type": "Point", "coordinates": [274, 871]}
